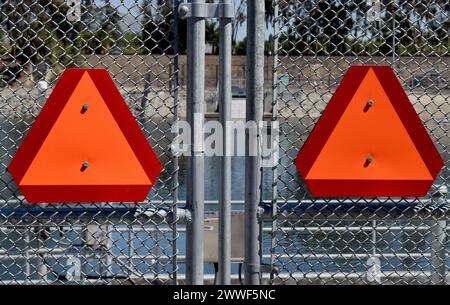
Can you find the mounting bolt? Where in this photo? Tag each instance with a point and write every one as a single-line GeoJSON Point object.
{"type": "Point", "coordinates": [84, 108]}
{"type": "Point", "coordinates": [84, 166]}
{"type": "Point", "coordinates": [368, 105]}
{"type": "Point", "coordinates": [183, 11]}
{"type": "Point", "coordinates": [368, 161]}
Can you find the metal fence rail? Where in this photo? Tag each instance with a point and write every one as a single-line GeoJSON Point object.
{"type": "Point", "coordinates": [314, 44]}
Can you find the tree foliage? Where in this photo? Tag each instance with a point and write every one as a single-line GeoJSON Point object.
{"type": "Point", "coordinates": [38, 31]}
{"type": "Point", "coordinates": [158, 28]}
{"type": "Point", "coordinates": [331, 27]}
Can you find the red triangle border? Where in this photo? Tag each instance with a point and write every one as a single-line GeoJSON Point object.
{"type": "Point", "coordinates": [330, 117]}
{"type": "Point", "coordinates": [44, 123]}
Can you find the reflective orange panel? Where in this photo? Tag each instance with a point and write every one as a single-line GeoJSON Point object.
{"type": "Point", "coordinates": [91, 136]}
{"type": "Point", "coordinates": [369, 131]}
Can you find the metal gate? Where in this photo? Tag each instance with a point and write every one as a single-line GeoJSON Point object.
{"type": "Point", "coordinates": [290, 237]}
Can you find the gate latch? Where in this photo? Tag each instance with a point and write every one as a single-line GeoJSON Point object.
{"type": "Point", "coordinates": [206, 10]}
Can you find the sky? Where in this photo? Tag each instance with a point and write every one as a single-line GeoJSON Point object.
{"type": "Point", "coordinates": [131, 12]}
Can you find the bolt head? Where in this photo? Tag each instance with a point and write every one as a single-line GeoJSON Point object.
{"type": "Point", "coordinates": [183, 10]}
{"type": "Point", "coordinates": [85, 164]}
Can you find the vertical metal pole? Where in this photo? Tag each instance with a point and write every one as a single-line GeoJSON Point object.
{"type": "Point", "coordinates": [225, 162]}
{"type": "Point", "coordinates": [27, 256]}
{"type": "Point", "coordinates": [174, 90]}
{"type": "Point", "coordinates": [275, 92]}
{"type": "Point", "coordinates": [84, 253]}
{"type": "Point", "coordinates": [195, 184]}
{"type": "Point", "coordinates": [438, 246]}
{"type": "Point", "coordinates": [374, 238]}
{"type": "Point", "coordinates": [155, 254]}
{"type": "Point", "coordinates": [130, 246]}
{"type": "Point", "coordinates": [109, 249]}
{"type": "Point", "coordinates": [254, 112]}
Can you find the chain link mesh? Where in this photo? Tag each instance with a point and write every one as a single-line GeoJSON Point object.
{"type": "Point", "coordinates": [357, 240]}
{"type": "Point", "coordinates": [88, 243]}
{"type": "Point", "coordinates": [380, 240]}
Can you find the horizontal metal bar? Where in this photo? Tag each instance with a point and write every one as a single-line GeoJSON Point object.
{"type": "Point", "coordinates": [206, 10]}
{"type": "Point", "coordinates": [42, 282]}
{"type": "Point", "coordinates": [387, 277]}
{"type": "Point", "coordinates": [290, 229]}
{"type": "Point", "coordinates": [281, 202]}
{"type": "Point", "coordinates": [165, 229]}
{"type": "Point", "coordinates": [36, 215]}
{"type": "Point", "coordinates": [358, 210]}
{"type": "Point", "coordinates": [347, 255]}
{"type": "Point", "coordinates": [163, 259]}
{"type": "Point", "coordinates": [287, 210]}
{"type": "Point", "coordinates": [62, 253]}
{"type": "Point", "coordinates": [350, 229]}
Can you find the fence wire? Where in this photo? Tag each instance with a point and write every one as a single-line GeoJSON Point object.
{"type": "Point", "coordinates": [88, 243]}
{"type": "Point", "coordinates": [357, 240]}
{"type": "Point", "coordinates": [339, 241]}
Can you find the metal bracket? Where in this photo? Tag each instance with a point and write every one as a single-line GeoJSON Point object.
{"type": "Point", "coordinates": [260, 213]}
{"type": "Point", "coordinates": [206, 10]}
{"type": "Point", "coordinates": [184, 216]}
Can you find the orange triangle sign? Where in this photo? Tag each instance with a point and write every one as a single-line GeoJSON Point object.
{"type": "Point", "coordinates": [369, 141]}
{"type": "Point", "coordinates": [85, 146]}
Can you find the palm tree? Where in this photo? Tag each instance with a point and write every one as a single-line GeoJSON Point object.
{"type": "Point", "coordinates": [35, 31]}
{"type": "Point", "coordinates": [16, 23]}
{"type": "Point", "coordinates": [239, 18]}
{"type": "Point", "coordinates": [38, 31]}
{"type": "Point", "coordinates": [158, 28]}
{"type": "Point", "coordinates": [212, 35]}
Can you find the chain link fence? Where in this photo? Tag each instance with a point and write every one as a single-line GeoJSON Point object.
{"type": "Point", "coordinates": [304, 240]}
{"type": "Point", "coordinates": [89, 243]}
{"type": "Point", "coordinates": [355, 241]}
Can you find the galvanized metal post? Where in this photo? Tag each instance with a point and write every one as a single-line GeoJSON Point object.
{"type": "Point", "coordinates": [275, 92]}
{"type": "Point", "coordinates": [254, 112]}
{"type": "Point", "coordinates": [225, 162]}
{"type": "Point", "coordinates": [27, 256]}
{"type": "Point", "coordinates": [438, 244]}
{"type": "Point", "coordinates": [109, 249]}
{"type": "Point", "coordinates": [195, 177]}
{"type": "Point", "coordinates": [174, 91]}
